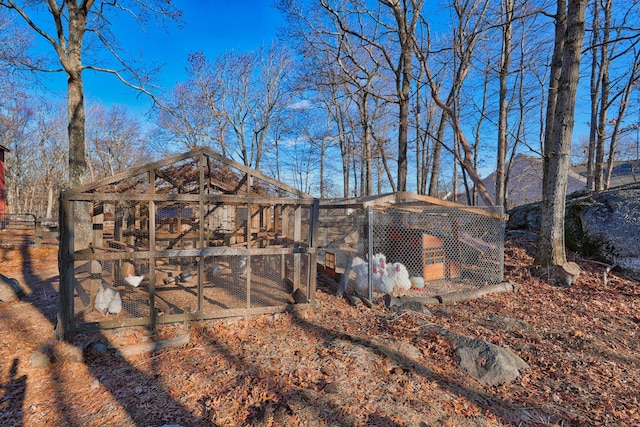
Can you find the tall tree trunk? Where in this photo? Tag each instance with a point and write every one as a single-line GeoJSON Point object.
{"type": "Point", "coordinates": [437, 153]}
{"type": "Point", "coordinates": [403, 130]}
{"type": "Point", "coordinates": [568, 45]}
{"type": "Point", "coordinates": [505, 61]}
{"type": "Point", "coordinates": [622, 108]}
{"type": "Point", "coordinates": [77, 145]}
{"type": "Point", "coordinates": [598, 173]}
{"type": "Point", "coordinates": [596, 79]}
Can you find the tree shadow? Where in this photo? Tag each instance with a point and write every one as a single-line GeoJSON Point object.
{"type": "Point", "coordinates": [12, 398]}
{"type": "Point", "coordinates": [499, 407]}
{"type": "Point", "coordinates": [124, 386]}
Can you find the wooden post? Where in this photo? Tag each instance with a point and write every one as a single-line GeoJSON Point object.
{"type": "Point", "coordinates": [96, 267]}
{"type": "Point", "coordinates": [297, 235]}
{"type": "Point", "coordinates": [313, 257]}
{"type": "Point", "coordinates": [38, 226]}
{"type": "Point", "coordinates": [201, 242]}
{"type": "Point", "coordinates": [370, 250]}
{"type": "Point", "coordinates": [248, 246]}
{"type": "Point", "coordinates": [152, 247]}
{"type": "Point", "coordinates": [65, 266]}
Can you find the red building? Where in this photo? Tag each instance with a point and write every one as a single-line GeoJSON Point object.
{"type": "Point", "coordinates": [3, 149]}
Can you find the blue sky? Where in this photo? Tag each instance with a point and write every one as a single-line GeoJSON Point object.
{"type": "Point", "coordinates": [212, 27]}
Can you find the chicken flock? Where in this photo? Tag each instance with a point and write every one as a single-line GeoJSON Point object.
{"type": "Point", "coordinates": [108, 300]}
{"type": "Point", "coordinates": [386, 277]}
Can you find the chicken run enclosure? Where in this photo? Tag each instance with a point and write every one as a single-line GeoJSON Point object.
{"type": "Point", "coordinates": [194, 236]}
{"type": "Point", "coordinates": [408, 244]}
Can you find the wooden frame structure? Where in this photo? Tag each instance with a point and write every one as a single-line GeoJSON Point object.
{"type": "Point", "coordinates": [232, 229]}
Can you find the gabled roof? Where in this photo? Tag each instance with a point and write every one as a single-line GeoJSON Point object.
{"type": "Point", "coordinates": [525, 181]}
{"type": "Point", "coordinates": [186, 174]}
{"type": "Point", "coordinates": [3, 148]}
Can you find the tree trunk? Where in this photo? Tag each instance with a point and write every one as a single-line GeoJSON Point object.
{"type": "Point", "coordinates": [437, 153]}
{"type": "Point", "coordinates": [604, 99]}
{"type": "Point", "coordinates": [500, 190]}
{"type": "Point", "coordinates": [77, 118]}
{"type": "Point", "coordinates": [596, 79]}
{"type": "Point", "coordinates": [551, 249]}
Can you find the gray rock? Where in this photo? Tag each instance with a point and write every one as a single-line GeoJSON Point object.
{"type": "Point", "coordinates": [489, 363]}
{"type": "Point", "coordinates": [98, 348]}
{"type": "Point", "coordinates": [39, 360]}
{"type": "Point", "coordinates": [604, 226]}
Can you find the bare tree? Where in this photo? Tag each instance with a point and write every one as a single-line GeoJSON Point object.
{"type": "Point", "coordinates": [407, 15]}
{"type": "Point", "coordinates": [115, 140]}
{"type": "Point", "coordinates": [16, 124]}
{"type": "Point", "coordinates": [470, 25]}
{"type": "Point", "coordinates": [343, 73]}
{"type": "Point", "coordinates": [51, 157]}
{"type": "Point", "coordinates": [186, 117]}
{"type": "Point", "coordinates": [613, 47]}
{"type": "Point", "coordinates": [385, 30]}
{"type": "Point", "coordinates": [634, 75]}
{"type": "Point", "coordinates": [570, 29]}
{"type": "Point", "coordinates": [505, 63]}
{"type": "Point", "coordinates": [72, 23]}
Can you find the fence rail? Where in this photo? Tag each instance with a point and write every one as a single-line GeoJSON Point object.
{"type": "Point", "coordinates": [27, 229]}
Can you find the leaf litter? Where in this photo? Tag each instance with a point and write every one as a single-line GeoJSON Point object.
{"type": "Point", "coordinates": [335, 365]}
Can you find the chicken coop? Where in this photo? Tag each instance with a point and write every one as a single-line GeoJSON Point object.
{"type": "Point", "coordinates": [408, 244]}
{"type": "Point", "coordinates": [193, 236]}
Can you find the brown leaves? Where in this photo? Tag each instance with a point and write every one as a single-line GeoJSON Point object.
{"type": "Point", "coordinates": [339, 365]}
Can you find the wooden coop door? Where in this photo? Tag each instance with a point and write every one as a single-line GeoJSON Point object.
{"type": "Point", "coordinates": [434, 263]}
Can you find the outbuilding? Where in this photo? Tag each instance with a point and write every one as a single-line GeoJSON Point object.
{"type": "Point", "coordinates": [192, 236]}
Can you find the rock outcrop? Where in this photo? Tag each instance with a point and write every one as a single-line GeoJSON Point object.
{"type": "Point", "coordinates": [603, 226]}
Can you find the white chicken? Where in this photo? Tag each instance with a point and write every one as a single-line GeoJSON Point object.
{"type": "Point", "coordinates": [386, 278]}
{"type": "Point", "coordinates": [133, 280]}
{"type": "Point", "coordinates": [104, 297]}
{"type": "Point", "coordinates": [379, 263]}
{"type": "Point", "coordinates": [361, 269]}
{"type": "Point", "coordinates": [399, 276]}
{"type": "Point", "coordinates": [383, 281]}
{"type": "Point", "coordinates": [115, 306]}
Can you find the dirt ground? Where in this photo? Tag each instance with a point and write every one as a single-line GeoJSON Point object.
{"type": "Point", "coordinates": [336, 365]}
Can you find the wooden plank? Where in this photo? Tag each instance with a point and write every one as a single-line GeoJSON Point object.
{"type": "Point", "coordinates": [185, 317]}
{"type": "Point", "coordinates": [209, 198]}
{"type": "Point", "coordinates": [405, 200]}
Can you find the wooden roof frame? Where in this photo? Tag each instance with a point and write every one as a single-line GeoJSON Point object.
{"type": "Point", "coordinates": [406, 200]}
{"type": "Point", "coordinates": [85, 191]}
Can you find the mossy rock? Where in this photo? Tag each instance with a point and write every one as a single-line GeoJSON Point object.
{"type": "Point", "coordinates": [603, 226]}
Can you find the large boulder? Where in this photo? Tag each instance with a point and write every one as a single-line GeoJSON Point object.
{"type": "Point", "coordinates": [603, 226]}
{"type": "Point", "coordinates": [489, 363]}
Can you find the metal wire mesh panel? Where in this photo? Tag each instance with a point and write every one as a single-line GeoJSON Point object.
{"type": "Point", "coordinates": [410, 249]}
{"type": "Point", "coordinates": [443, 249]}
{"type": "Point", "coordinates": [225, 284]}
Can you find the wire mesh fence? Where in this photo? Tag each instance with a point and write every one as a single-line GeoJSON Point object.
{"type": "Point", "coordinates": [27, 229]}
{"type": "Point", "coordinates": [413, 249]}
{"type": "Point", "coordinates": [186, 246]}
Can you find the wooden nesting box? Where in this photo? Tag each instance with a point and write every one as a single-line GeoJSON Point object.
{"type": "Point", "coordinates": [330, 264]}
{"type": "Point", "coordinates": [434, 262]}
